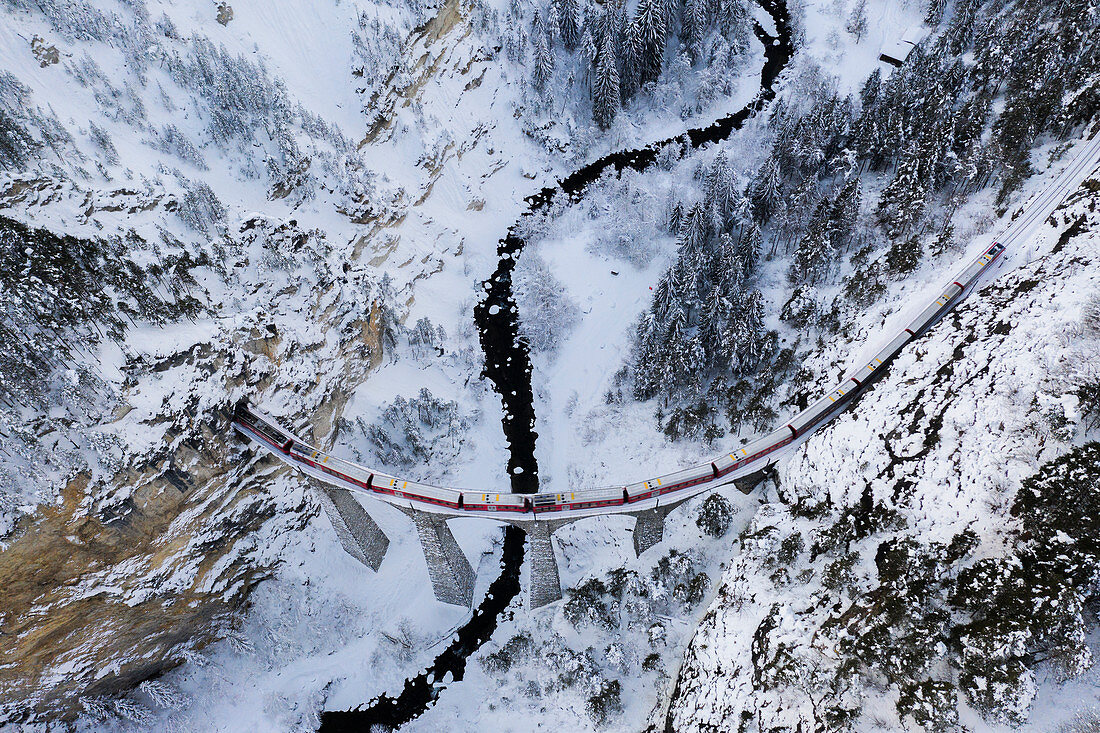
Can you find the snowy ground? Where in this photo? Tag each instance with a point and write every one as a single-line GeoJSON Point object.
{"type": "Point", "coordinates": [449, 172]}
{"type": "Point", "coordinates": [991, 431]}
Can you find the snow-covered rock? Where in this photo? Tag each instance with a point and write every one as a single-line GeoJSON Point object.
{"type": "Point", "coordinates": [897, 502]}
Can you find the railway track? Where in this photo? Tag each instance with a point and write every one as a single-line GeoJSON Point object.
{"type": "Point", "coordinates": [677, 486]}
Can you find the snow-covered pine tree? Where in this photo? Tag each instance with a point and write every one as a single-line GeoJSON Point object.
{"type": "Point", "coordinates": [674, 214]}
{"type": "Point", "coordinates": [904, 200]}
{"type": "Point", "coordinates": [696, 261]}
{"type": "Point", "coordinates": [663, 357]}
{"type": "Point", "coordinates": [553, 23]}
{"type": "Point", "coordinates": [730, 263]}
{"type": "Point", "coordinates": [857, 21]}
{"type": "Point", "coordinates": [605, 90]}
{"type": "Point", "coordinates": [720, 187]}
{"type": "Point", "coordinates": [732, 19]}
{"type": "Point", "coordinates": [628, 50]}
{"type": "Point", "coordinates": [716, 316]}
{"type": "Point", "coordinates": [651, 21]}
{"type": "Point", "coordinates": [967, 127]}
{"type": "Point", "coordinates": [960, 32]}
{"type": "Point", "coordinates": [515, 34]}
{"type": "Point", "coordinates": [695, 23]}
{"type": "Point", "coordinates": [569, 23]}
{"type": "Point", "coordinates": [750, 248]}
{"type": "Point", "coordinates": [868, 94]}
{"type": "Point", "coordinates": [766, 190]}
{"type": "Point", "coordinates": [542, 61]}
{"type": "Point", "coordinates": [845, 213]}
{"type": "Point", "coordinates": [590, 50]}
{"type": "Point", "coordinates": [802, 202]}
{"type": "Point", "coordinates": [814, 249]}
{"type": "Point", "coordinates": [742, 341]}
{"type": "Point", "coordinates": [695, 231]}
{"type": "Point", "coordinates": [934, 14]}
{"type": "Point", "coordinates": [16, 145]}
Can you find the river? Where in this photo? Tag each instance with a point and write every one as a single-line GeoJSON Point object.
{"type": "Point", "coordinates": [508, 367]}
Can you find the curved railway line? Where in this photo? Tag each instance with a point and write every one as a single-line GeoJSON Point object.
{"type": "Point", "coordinates": [673, 487]}
{"type": "Point", "coordinates": [757, 455]}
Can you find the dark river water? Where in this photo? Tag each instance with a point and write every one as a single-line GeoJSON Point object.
{"type": "Point", "coordinates": [508, 367]}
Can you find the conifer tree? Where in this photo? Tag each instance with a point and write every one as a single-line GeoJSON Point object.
{"type": "Point", "coordinates": [802, 202]}
{"type": "Point", "coordinates": [750, 248]}
{"type": "Point", "coordinates": [733, 22]}
{"type": "Point", "coordinates": [721, 188]}
{"type": "Point", "coordinates": [543, 60]}
{"type": "Point", "coordinates": [590, 50]}
{"type": "Point", "coordinates": [814, 249]}
{"type": "Point", "coordinates": [857, 20]}
{"type": "Point", "coordinates": [903, 200]}
{"type": "Point", "coordinates": [695, 23]}
{"type": "Point", "coordinates": [569, 23]}
{"type": "Point", "coordinates": [960, 33]}
{"type": "Point", "coordinates": [629, 49]}
{"type": "Point", "coordinates": [605, 90]}
{"type": "Point", "coordinates": [845, 213]}
{"type": "Point", "coordinates": [765, 190]}
{"type": "Point", "coordinates": [651, 23]}
{"type": "Point", "coordinates": [868, 94]}
{"type": "Point", "coordinates": [935, 12]}
{"type": "Point", "coordinates": [694, 230]}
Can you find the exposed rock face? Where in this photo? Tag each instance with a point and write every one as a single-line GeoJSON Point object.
{"type": "Point", "coordinates": [95, 604]}
{"type": "Point", "coordinates": [128, 577]}
{"type": "Point", "coordinates": [44, 52]}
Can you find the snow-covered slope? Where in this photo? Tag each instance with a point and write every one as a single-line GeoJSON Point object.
{"type": "Point", "coordinates": [238, 140]}
{"type": "Point", "coordinates": [297, 203]}
{"type": "Point", "coordinates": [811, 626]}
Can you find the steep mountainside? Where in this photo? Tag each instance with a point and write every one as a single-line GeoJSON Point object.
{"type": "Point", "coordinates": [298, 204]}
{"type": "Point", "coordinates": [935, 545]}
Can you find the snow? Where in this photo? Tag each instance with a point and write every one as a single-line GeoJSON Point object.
{"type": "Point", "coordinates": [452, 168]}
{"type": "Point", "coordinates": [850, 61]}
{"type": "Point", "coordinates": [572, 382]}
{"type": "Point", "coordinates": [987, 438]}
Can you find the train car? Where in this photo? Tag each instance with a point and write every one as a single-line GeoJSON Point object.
{"type": "Point", "coordinates": [753, 451]}
{"type": "Point", "coordinates": [436, 495]}
{"type": "Point", "coordinates": [804, 421]}
{"type": "Point", "coordinates": [768, 444]}
{"type": "Point", "coordinates": [353, 472]}
{"type": "Point", "coordinates": [972, 270]}
{"type": "Point", "coordinates": [549, 502]}
{"type": "Point", "coordinates": [480, 501]}
{"type": "Point", "coordinates": [993, 252]}
{"type": "Point", "coordinates": [323, 462]}
{"type": "Point", "coordinates": [884, 355]}
{"type": "Point", "coordinates": [674, 481]}
{"type": "Point", "coordinates": [639, 491]}
{"type": "Point", "coordinates": [263, 429]}
{"type": "Point", "coordinates": [594, 498]}
{"type": "Point", "coordinates": [929, 314]}
{"type": "Point", "coordinates": [952, 291]}
{"type": "Point", "coordinates": [725, 463]}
